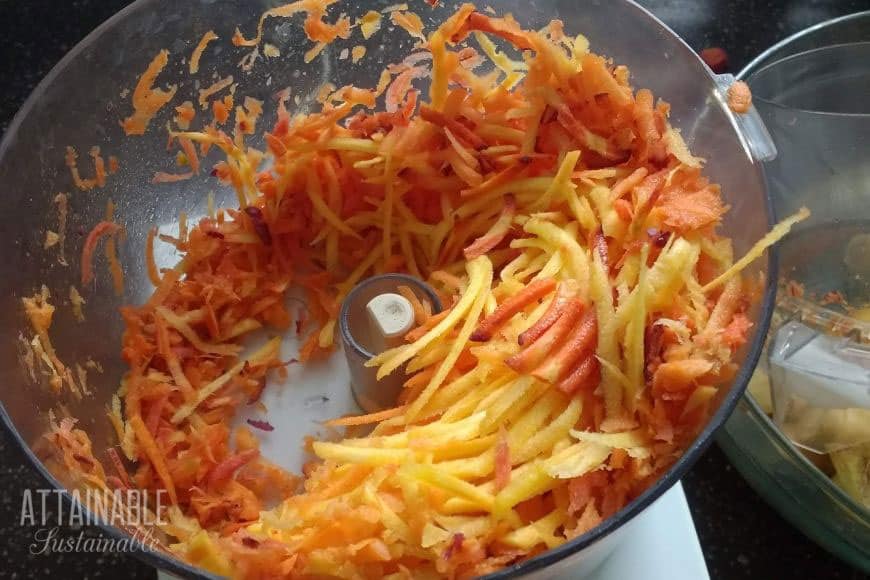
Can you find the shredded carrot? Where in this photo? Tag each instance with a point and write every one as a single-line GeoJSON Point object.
{"type": "Point", "coordinates": [531, 293]}
{"type": "Point", "coordinates": [221, 109]}
{"type": "Point", "coordinates": [224, 470]}
{"type": "Point", "coordinates": [420, 314]}
{"type": "Point", "coordinates": [153, 271]}
{"type": "Point", "coordinates": [112, 256]}
{"type": "Point", "coordinates": [319, 31]}
{"type": "Point", "coordinates": [369, 23]}
{"type": "Point", "coordinates": [100, 230]}
{"type": "Point", "coordinates": [494, 236]}
{"type": "Point", "coordinates": [119, 466]}
{"type": "Point", "coordinates": [415, 334]}
{"type": "Point", "coordinates": [628, 183]}
{"type": "Point", "coordinates": [200, 48]}
{"type": "Point", "coordinates": [565, 293]}
{"type": "Point", "coordinates": [693, 211]}
{"type": "Point", "coordinates": [163, 177]}
{"type": "Point", "coordinates": [219, 85]}
{"type": "Point", "coordinates": [152, 452]}
{"type": "Point", "coordinates": [582, 376]}
{"type": "Point", "coordinates": [357, 53]}
{"type": "Point", "coordinates": [410, 22]}
{"type": "Point", "coordinates": [355, 420]}
{"type": "Point", "coordinates": [99, 179]}
{"type": "Point", "coordinates": [534, 353]}
{"type": "Point", "coordinates": [185, 114]}
{"type": "Point", "coordinates": [580, 342]}
{"type": "Point", "coordinates": [147, 100]}
{"type": "Point", "coordinates": [190, 152]}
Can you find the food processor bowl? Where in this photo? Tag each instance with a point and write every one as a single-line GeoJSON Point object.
{"type": "Point", "coordinates": [811, 92]}
{"type": "Point", "coordinates": [80, 104]}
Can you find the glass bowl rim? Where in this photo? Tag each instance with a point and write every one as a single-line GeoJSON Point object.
{"type": "Point", "coordinates": [755, 74]}
{"type": "Point", "coordinates": [759, 63]}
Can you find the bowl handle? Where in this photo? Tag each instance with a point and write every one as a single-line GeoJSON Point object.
{"type": "Point", "coordinates": [754, 134]}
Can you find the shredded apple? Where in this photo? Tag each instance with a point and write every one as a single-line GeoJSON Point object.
{"type": "Point", "coordinates": [592, 309]}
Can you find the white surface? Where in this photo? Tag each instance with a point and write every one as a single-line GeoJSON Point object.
{"type": "Point", "coordinates": [662, 545]}
{"type": "Point", "coordinates": [312, 394]}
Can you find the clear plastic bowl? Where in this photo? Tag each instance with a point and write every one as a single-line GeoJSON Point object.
{"type": "Point", "coordinates": [813, 100]}
{"type": "Point", "coordinates": [80, 103]}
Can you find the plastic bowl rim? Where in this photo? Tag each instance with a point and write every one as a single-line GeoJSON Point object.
{"type": "Point", "coordinates": [689, 456]}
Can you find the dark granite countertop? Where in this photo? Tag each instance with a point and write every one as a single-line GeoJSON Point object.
{"type": "Point", "coordinates": [741, 536]}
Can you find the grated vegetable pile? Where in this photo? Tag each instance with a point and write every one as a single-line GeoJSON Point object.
{"type": "Point", "coordinates": [593, 311]}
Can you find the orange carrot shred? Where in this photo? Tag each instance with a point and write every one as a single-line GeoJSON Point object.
{"type": "Point", "coordinates": [152, 452]}
{"type": "Point", "coordinates": [579, 343]}
{"type": "Point", "coordinates": [494, 236]}
{"type": "Point", "coordinates": [532, 355]}
{"type": "Point", "coordinates": [528, 295]}
{"type": "Point", "coordinates": [355, 420]}
{"type": "Point", "coordinates": [564, 295]}
{"type": "Point", "coordinates": [100, 230]}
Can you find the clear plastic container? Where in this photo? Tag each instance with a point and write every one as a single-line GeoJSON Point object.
{"type": "Point", "coordinates": [80, 103]}
{"type": "Point", "coordinates": [814, 103]}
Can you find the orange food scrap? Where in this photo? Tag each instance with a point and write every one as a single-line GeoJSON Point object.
{"type": "Point", "coordinates": [102, 229]}
{"type": "Point", "coordinates": [271, 51]}
{"type": "Point", "coordinates": [221, 109]}
{"type": "Point", "coordinates": [200, 48]}
{"type": "Point", "coordinates": [716, 58]}
{"type": "Point", "coordinates": [99, 179]}
{"type": "Point", "coordinates": [410, 22]}
{"type": "Point", "coordinates": [357, 53]}
{"type": "Point", "coordinates": [736, 333]}
{"type": "Point", "coordinates": [185, 114]}
{"type": "Point", "coordinates": [739, 97]}
{"type": "Point", "coordinates": [686, 212]}
{"type": "Point", "coordinates": [76, 302]}
{"type": "Point", "coordinates": [216, 87]}
{"type": "Point", "coordinates": [164, 177]}
{"type": "Point", "coordinates": [510, 307]}
{"type": "Point", "coordinates": [51, 238]}
{"type": "Point", "coordinates": [148, 100]}
{"type": "Point", "coordinates": [319, 31]}
{"type": "Point", "coordinates": [369, 23]}
{"type": "Point", "coordinates": [312, 7]}
{"type": "Point", "coordinates": [496, 234]}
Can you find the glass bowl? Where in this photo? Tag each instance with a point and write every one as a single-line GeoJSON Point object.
{"type": "Point", "coordinates": [80, 104]}
{"type": "Point", "coordinates": [802, 88]}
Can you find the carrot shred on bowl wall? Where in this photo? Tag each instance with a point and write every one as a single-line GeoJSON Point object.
{"type": "Point", "coordinates": [147, 100]}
